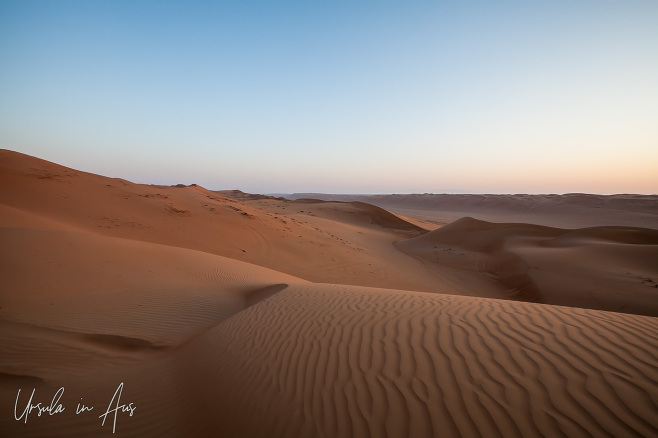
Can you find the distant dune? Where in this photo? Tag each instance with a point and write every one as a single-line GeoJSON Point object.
{"type": "Point", "coordinates": [240, 315]}
{"type": "Point", "coordinates": [574, 210]}
{"type": "Point", "coordinates": [612, 268]}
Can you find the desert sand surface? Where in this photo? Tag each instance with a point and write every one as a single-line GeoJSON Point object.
{"type": "Point", "coordinates": [611, 268]}
{"type": "Point", "coordinates": [573, 210]}
{"type": "Point", "coordinates": [228, 314]}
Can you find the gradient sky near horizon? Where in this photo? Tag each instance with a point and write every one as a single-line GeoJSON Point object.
{"type": "Point", "coordinates": [338, 96]}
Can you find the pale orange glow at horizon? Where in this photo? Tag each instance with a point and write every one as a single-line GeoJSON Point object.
{"type": "Point", "coordinates": [411, 97]}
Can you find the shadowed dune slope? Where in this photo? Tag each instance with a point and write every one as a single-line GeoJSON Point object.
{"type": "Point", "coordinates": [83, 311]}
{"type": "Point", "coordinates": [608, 268]}
{"type": "Point", "coordinates": [73, 281]}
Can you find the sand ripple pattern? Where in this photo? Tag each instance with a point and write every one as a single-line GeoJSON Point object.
{"type": "Point", "coordinates": [335, 361]}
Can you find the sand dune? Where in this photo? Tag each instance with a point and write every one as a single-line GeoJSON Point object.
{"type": "Point", "coordinates": [324, 360]}
{"type": "Point", "coordinates": [363, 362]}
{"type": "Point", "coordinates": [81, 310]}
{"type": "Point", "coordinates": [574, 210]}
{"type": "Point", "coordinates": [237, 315]}
{"type": "Point", "coordinates": [609, 268]}
{"type": "Point", "coordinates": [347, 243]}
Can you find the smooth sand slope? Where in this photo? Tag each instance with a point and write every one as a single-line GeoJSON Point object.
{"type": "Point", "coordinates": [82, 311]}
{"type": "Point", "coordinates": [348, 243]}
{"type": "Point", "coordinates": [105, 282]}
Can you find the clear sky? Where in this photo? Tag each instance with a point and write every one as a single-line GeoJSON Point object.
{"type": "Point", "coordinates": [338, 96]}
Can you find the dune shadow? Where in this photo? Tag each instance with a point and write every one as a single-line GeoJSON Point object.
{"type": "Point", "coordinates": [8, 379]}
{"type": "Point", "coordinates": [258, 295]}
{"type": "Point", "coordinates": [124, 343]}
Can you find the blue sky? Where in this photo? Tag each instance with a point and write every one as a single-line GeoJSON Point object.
{"type": "Point", "coordinates": [338, 96]}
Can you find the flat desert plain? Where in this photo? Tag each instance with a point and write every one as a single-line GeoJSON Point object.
{"type": "Point", "coordinates": [143, 310]}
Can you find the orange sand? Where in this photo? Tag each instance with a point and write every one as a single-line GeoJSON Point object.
{"type": "Point", "coordinates": [226, 314]}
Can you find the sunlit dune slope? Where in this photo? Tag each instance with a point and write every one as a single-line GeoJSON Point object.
{"type": "Point", "coordinates": [348, 243]}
